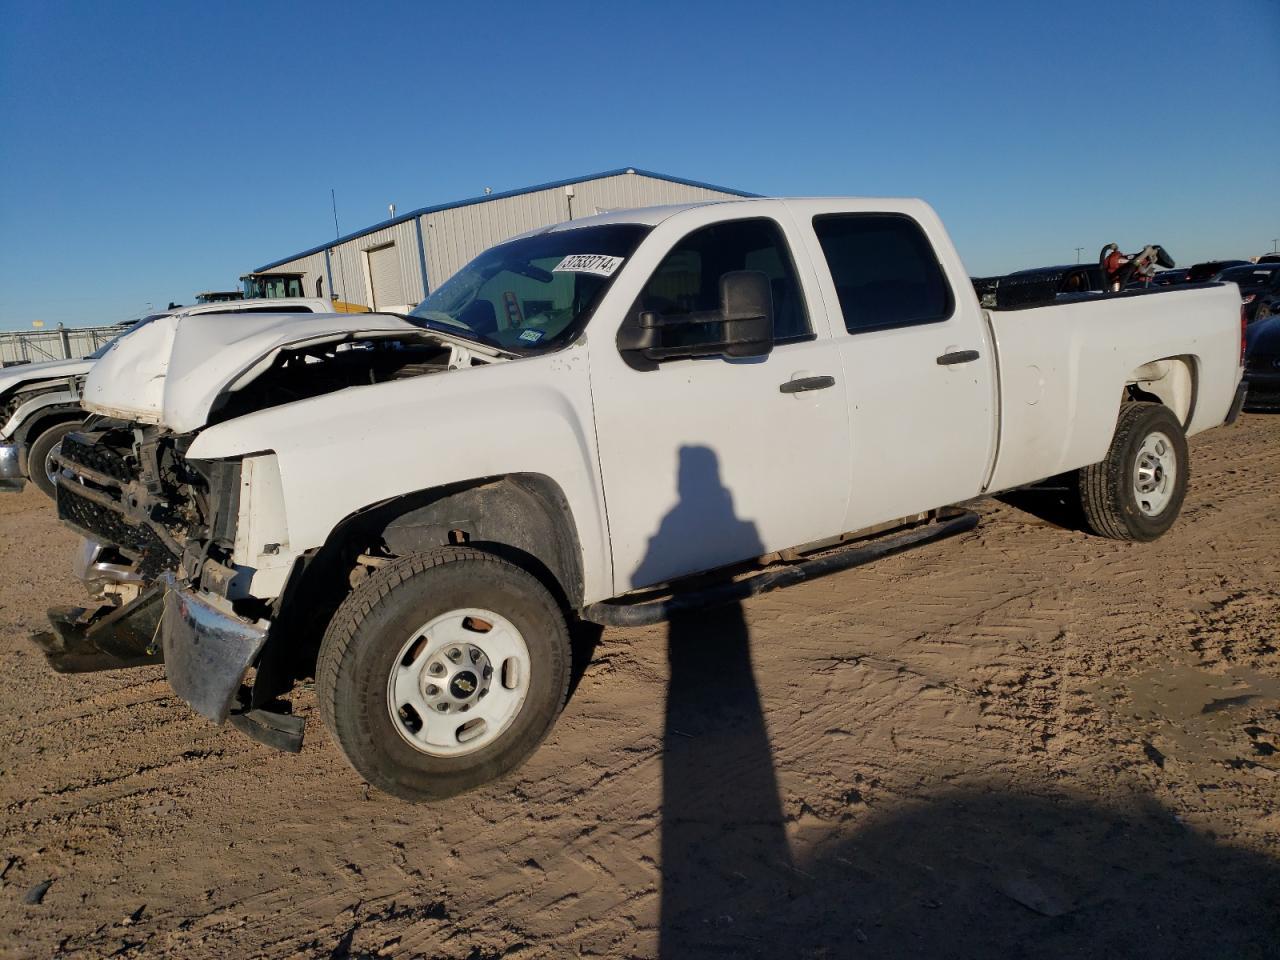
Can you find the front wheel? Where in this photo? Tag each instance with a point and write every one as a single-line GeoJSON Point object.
{"type": "Point", "coordinates": [1136, 491]}
{"type": "Point", "coordinates": [443, 671]}
{"type": "Point", "coordinates": [40, 466]}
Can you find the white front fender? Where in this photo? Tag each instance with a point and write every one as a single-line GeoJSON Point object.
{"type": "Point", "coordinates": [343, 452]}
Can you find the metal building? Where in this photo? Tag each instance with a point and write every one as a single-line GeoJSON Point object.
{"type": "Point", "coordinates": [394, 264]}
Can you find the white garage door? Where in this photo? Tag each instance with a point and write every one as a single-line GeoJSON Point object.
{"type": "Point", "coordinates": [384, 273]}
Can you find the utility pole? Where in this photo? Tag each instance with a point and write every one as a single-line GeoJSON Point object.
{"type": "Point", "coordinates": [1079, 250]}
{"type": "Point", "coordinates": [1274, 248]}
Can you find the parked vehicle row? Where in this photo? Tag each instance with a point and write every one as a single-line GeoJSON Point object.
{"type": "Point", "coordinates": [1258, 282]}
{"type": "Point", "coordinates": [1210, 269]}
{"type": "Point", "coordinates": [1259, 285]}
{"type": "Point", "coordinates": [613, 419]}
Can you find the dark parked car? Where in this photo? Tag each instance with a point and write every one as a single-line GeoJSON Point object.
{"type": "Point", "coordinates": [1259, 285]}
{"type": "Point", "coordinates": [1262, 365]}
{"type": "Point", "coordinates": [1167, 278]}
{"type": "Point", "coordinates": [1211, 268]}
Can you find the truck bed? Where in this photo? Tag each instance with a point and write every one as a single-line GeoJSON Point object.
{"type": "Point", "coordinates": [1055, 359]}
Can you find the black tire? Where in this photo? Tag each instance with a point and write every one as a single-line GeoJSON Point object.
{"type": "Point", "coordinates": [1108, 491]}
{"type": "Point", "coordinates": [38, 456]}
{"type": "Point", "coordinates": [367, 634]}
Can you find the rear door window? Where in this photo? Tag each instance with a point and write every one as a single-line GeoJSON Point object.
{"type": "Point", "coordinates": [885, 271]}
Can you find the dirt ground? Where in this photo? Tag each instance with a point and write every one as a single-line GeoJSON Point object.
{"type": "Point", "coordinates": [1022, 742]}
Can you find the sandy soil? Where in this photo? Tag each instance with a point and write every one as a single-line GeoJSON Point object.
{"type": "Point", "coordinates": [1022, 742]}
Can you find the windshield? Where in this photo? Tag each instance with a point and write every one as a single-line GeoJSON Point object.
{"type": "Point", "coordinates": [533, 294]}
{"type": "Point", "coordinates": [271, 286]}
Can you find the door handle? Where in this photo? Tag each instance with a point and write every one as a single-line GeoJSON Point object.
{"type": "Point", "coordinates": [960, 356]}
{"type": "Point", "coordinates": [803, 384]}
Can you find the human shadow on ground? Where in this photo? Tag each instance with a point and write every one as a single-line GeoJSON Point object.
{"type": "Point", "coordinates": [989, 870]}
{"type": "Point", "coordinates": [723, 837]}
{"type": "Point", "coordinates": [994, 872]}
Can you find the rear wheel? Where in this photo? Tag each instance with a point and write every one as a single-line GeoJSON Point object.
{"type": "Point", "coordinates": [1136, 491]}
{"type": "Point", "coordinates": [443, 671]}
{"type": "Point", "coordinates": [39, 467]}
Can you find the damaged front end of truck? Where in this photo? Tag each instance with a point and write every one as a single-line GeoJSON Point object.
{"type": "Point", "coordinates": [160, 529]}
{"type": "Point", "coordinates": [155, 523]}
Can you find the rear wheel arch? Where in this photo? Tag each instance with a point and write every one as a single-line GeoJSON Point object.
{"type": "Point", "coordinates": [1169, 381]}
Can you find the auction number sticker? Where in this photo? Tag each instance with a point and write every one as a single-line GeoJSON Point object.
{"type": "Point", "coordinates": [597, 263]}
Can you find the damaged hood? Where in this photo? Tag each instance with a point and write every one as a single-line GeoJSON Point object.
{"type": "Point", "coordinates": [173, 370]}
{"type": "Point", "coordinates": [15, 376]}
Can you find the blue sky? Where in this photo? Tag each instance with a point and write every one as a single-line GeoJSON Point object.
{"type": "Point", "coordinates": [151, 150]}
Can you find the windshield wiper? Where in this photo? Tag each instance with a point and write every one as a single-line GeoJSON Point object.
{"type": "Point", "coordinates": [419, 321]}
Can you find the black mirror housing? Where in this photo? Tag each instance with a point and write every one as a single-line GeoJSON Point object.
{"type": "Point", "coordinates": [745, 322]}
{"type": "Point", "coordinates": [746, 305]}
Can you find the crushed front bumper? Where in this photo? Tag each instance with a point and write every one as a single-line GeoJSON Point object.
{"type": "Point", "coordinates": [12, 479]}
{"type": "Point", "coordinates": [204, 646]}
{"type": "Point", "coordinates": [207, 650]}
{"type": "Point", "coordinates": [110, 638]}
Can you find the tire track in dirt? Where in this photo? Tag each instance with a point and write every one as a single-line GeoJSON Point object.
{"type": "Point", "coordinates": [971, 665]}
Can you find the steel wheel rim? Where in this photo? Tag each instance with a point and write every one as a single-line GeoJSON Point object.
{"type": "Point", "coordinates": [458, 682]}
{"type": "Point", "coordinates": [1155, 474]}
{"type": "Point", "coordinates": [51, 470]}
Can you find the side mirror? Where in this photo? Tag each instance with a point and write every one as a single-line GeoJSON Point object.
{"type": "Point", "coordinates": [746, 304]}
{"type": "Point", "coordinates": [742, 327]}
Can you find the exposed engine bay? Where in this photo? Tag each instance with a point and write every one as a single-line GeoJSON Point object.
{"type": "Point", "coordinates": [312, 371]}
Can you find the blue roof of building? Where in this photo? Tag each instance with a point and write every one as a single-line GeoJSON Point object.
{"type": "Point", "coordinates": [485, 198]}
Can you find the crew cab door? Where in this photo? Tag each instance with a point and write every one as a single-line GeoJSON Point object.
{"type": "Point", "coordinates": [709, 461]}
{"type": "Point", "coordinates": [916, 356]}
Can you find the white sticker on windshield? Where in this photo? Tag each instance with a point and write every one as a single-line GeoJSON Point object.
{"type": "Point", "coordinates": [597, 263]}
{"type": "Point", "coordinates": [531, 336]}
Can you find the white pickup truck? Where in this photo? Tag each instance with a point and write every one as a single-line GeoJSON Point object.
{"type": "Point", "coordinates": [571, 427]}
{"type": "Point", "coordinates": [40, 402]}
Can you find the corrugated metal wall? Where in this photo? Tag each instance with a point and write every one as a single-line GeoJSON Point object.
{"type": "Point", "coordinates": [452, 237]}
{"type": "Point", "coordinates": [351, 269]}
{"type": "Point", "coordinates": [312, 269]}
